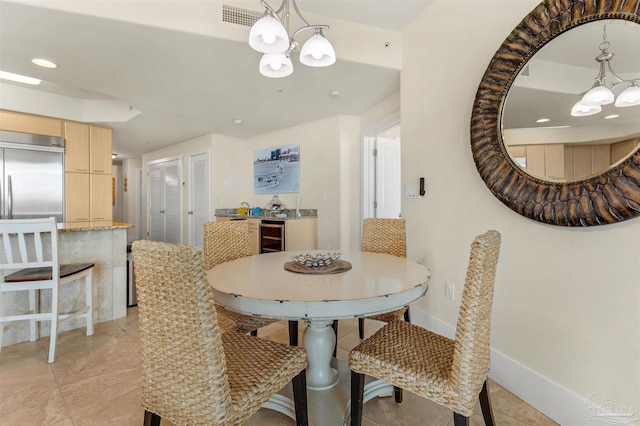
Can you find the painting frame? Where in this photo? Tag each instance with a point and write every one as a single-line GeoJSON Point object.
{"type": "Point", "coordinates": [276, 170]}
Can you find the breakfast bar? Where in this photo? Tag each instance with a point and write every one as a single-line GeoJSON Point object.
{"type": "Point", "coordinates": [103, 243]}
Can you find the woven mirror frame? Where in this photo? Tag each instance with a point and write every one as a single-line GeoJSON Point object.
{"type": "Point", "coordinates": [610, 197]}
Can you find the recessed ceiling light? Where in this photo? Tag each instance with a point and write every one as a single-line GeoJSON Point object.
{"type": "Point", "coordinates": [608, 117]}
{"type": "Point", "coordinates": [542, 120]}
{"type": "Point", "coordinates": [335, 93]}
{"type": "Point", "coordinates": [237, 121]}
{"type": "Point", "coordinates": [44, 63]}
{"type": "Point", "coordinates": [19, 78]}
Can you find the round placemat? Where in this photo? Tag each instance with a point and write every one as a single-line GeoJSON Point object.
{"type": "Point", "coordinates": [334, 268]}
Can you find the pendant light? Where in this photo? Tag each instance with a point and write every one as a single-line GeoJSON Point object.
{"type": "Point", "coordinates": [599, 94]}
{"type": "Point", "coordinates": [269, 35]}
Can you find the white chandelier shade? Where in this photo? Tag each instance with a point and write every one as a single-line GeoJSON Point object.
{"type": "Point", "coordinates": [629, 97]}
{"type": "Point", "coordinates": [269, 35]}
{"type": "Point", "coordinates": [600, 95]}
{"type": "Point", "coordinates": [581, 110]}
{"type": "Point", "coordinates": [317, 51]}
{"type": "Point", "coordinates": [275, 65]}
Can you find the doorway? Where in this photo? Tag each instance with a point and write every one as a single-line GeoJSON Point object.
{"type": "Point", "coordinates": [163, 201]}
{"type": "Point", "coordinates": [382, 171]}
{"type": "Point", "coordinates": [199, 202]}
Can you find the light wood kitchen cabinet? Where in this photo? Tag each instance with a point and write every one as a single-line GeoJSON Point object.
{"type": "Point", "coordinates": [27, 123]}
{"type": "Point", "coordinates": [88, 192]}
{"type": "Point", "coordinates": [254, 232]}
{"type": "Point", "coordinates": [301, 234]}
{"type": "Point", "coordinates": [100, 149]}
{"type": "Point", "coordinates": [76, 157]}
{"type": "Point", "coordinates": [76, 197]}
{"type": "Point", "coordinates": [101, 205]}
{"type": "Point", "coordinates": [87, 148]}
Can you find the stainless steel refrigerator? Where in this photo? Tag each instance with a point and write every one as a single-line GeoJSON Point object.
{"type": "Point", "coordinates": [31, 176]}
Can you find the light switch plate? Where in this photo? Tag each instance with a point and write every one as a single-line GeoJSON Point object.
{"type": "Point", "coordinates": [411, 191]}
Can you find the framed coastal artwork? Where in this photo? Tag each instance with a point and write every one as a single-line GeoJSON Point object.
{"type": "Point", "coordinates": [276, 170]}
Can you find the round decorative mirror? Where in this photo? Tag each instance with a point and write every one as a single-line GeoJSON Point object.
{"type": "Point", "coordinates": [537, 147]}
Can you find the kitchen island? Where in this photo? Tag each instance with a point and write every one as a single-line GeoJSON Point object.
{"type": "Point", "coordinates": [103, 243]}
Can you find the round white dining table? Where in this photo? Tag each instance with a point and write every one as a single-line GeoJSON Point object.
{"type": "Point", "coordinates": [376, 283]}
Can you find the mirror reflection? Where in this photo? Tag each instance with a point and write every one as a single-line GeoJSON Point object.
{"type": "Point", "coordinates": [539, 130]}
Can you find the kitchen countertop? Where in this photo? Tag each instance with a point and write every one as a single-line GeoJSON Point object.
{"type": "Point", "coordinates": [271, 214]}
{"type": "Point", "coordinates": [93, 226]}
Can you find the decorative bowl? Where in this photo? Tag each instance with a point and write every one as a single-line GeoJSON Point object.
{"type": "Point", "coordinates": [316, 260]}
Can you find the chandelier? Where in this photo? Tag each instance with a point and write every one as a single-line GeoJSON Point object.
{"type": "Point", "coordinates": [270, 36]}
{"type": "Point", "coordinates": [599, 94]}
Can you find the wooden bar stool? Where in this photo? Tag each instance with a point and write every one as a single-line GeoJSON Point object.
{"type": "Point", "coordinates": [30, 262]}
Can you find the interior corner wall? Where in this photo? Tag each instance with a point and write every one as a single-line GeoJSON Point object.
{"type": "Point", "coordinates": [567, 300]}
{"type": "Point", "coordinates": [350, 182]}
{"type": "Point", "coordinates": [321, 143]}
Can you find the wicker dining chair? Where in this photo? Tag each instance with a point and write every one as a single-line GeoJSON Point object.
{"type": "Point", "coordinates": [194, 373]}
{"type": "Point", "coordinates": [386, 236]}
{"type": "Point", "coordinates": [225, 241]}
{"type": "Point", "coordinates": [449, 372]}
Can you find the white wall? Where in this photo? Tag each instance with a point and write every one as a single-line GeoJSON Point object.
{"type": "Point", "coordinates": [326, 176]}
{"type": "Point", "coordinates": [329, 173]}
{"type": "Point", "coordinates": [566, 305]}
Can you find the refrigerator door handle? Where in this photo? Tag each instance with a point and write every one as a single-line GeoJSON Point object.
{"type": "Point", "coordinates": [9, 198]}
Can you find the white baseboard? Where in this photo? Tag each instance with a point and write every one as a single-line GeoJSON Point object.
{"type": "Point", "coordinates": [550, 398]}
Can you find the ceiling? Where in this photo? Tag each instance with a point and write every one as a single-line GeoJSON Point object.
{"type": "Point", "coordinates": [165, 85]}
{"type": "Point", "coordinates": [158, 81]}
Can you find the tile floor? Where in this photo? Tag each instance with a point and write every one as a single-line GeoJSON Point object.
{"type": "Point", "coordinates": [97, 381]}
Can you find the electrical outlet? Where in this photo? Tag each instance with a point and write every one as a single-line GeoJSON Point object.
{"type": "Point", "coordinates": [449, 288]}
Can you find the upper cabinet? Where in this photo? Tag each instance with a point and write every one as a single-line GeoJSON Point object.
{"type": "Point", "coordinates": [76, 147]}
{"type": "Point", "coordinates": [26, 123]}
{"type": "Point", "coordinates": [100, 141]}
{"type": "Point", "coordinates": [88, 148]}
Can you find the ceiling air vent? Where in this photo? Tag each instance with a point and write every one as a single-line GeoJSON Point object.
{"type": "Point", "coordinates": [239, 16]}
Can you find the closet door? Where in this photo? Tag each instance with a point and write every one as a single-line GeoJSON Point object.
{"type": "Point", "coordinates": [163, 202]}
{"type": "Point", "coordinates": [199, 198]}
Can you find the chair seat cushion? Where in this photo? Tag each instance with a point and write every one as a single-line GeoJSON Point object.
{"type": "Point", "coordinates": [41, 274]}
{"type": "Point", "coordinates": [407, 356]}
{"type": "Point", "coordinates": [230, 320]}
{"type": "Point", "coordinates": [390, 316]}
{"type": "Point", "coordinates": [256, 369]}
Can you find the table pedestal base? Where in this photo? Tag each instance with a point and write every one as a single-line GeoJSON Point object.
{"type": "Point", "coordinates": [319, 341]}
{"type": "Point", "coordinates": [331, 407]}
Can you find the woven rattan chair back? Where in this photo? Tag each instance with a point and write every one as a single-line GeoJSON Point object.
{"type": "Point", "coordinates": [387, 236]}
{"type": "Point", "coordinates": [384, 236]}
{"type": "Point", "coordinates": [471, 347]}
{"type": "Point", "coordinates": [225, 241]}
{"type": "Point", "coordinates": [176, 311]}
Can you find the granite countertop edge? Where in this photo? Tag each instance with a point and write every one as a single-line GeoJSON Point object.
{"type": "Point", "coordinates": [271, 214]}
{"type": "Point", "coordinates": [92, 226]}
